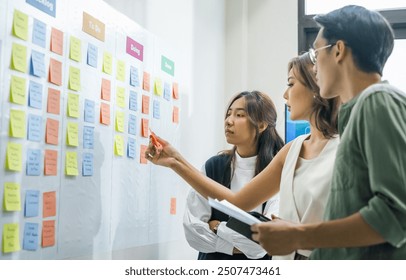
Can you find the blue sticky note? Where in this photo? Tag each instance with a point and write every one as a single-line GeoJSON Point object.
{"type": "Point", "coordinates": [37, 67]}
{"type": "Point", "coordinates": [89, 111]}
{"type": "Point", "coordinates": [39, 31]}
{"type": "Point", "coordinates": [33, 162]}
{"type": "Point", "coordinates": [31, 203]}
{"type": "Point", "coordinates": [30, 240]}
{"type": "Point", "coordinates": [87, 165]}
{"type": "Point", "coordinates": [131, 148]}
{"type": "Point", "coordinates": [167, 91]}
{"type": "Point", "coordinates": [92, 55]}
{"type": "Point", "coordinates": [133, 101]}
{"type": "Point", "coordinates": [134, 80]}
{"type": "Point", "coordinates": [34, 128]}
{"type": "Point", "coordinates": [132, 124]}
{"type": "Point", "coordinates": [48, 6]}
{"type": "Point", "coordinates": [35, 95]}
{"type": "Point", "coordinates": [88, 137]}
{"type": "Point", "coordinates": [156, 110]}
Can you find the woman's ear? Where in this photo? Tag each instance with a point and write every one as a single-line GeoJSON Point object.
{"type": "Point", "coordinates": [262, 126]}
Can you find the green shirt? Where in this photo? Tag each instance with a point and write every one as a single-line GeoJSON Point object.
{"type": "Point", "coordinates": [369, 174]}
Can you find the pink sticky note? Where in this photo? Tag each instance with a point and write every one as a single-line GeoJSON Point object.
{"type": "Point", "coordinates": [143, 160]}
{"type": "Point", "coordinates": [52, 131]}
{"type": "Point", "coordinates": [105, 113]}
{"type": "Point", "coordinates": [55, 72]}
{"type": "Point", "coordinates": [50, 162]}
{"type": "Point", "coordinates": [146, 81]}
{"type": "Point", "coordinates": [175, 115]}
{"type": "Point", "coordinates": [175, 91]}
{"type": "Point", "coordinates": [144, 127]}
{"type": "Point", "coordinates": [172, 211]}
{"type": "Point", "coordinates": [54, 101]}
{"type": "Point", "coordinates": [48, 233]}
{"type": "Point", "coordinates": [49, 204]}
{"type": "Point", "coordinates": [105, 90]}
{"type": "Point", "coordinates": [57, 41]}
{"type": "Point", "coordinates": [145, 104]}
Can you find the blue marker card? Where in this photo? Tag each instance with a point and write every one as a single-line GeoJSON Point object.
{"type": "Point", "coordinates": [87, 165]}
{"type": "Point", "coordinates": [31, 203]}
{"type": "Point", "coordinates": [39, 31]}
{"type": "Point", "coordinates": [37, 67]}
{"type": "Point", "coordinates": [89, 111]}
{"type": "Point", "coordinates": [92, 55]}
{"type": "Point", "coordinates": [34, 128]}
{"type": "Point", "coordinates": [35, 95]}
{"type": "Point", "coordinates": [88, 137]}
{"type": "Point", "coordinates": [131, 148]}
{"type": "Point", "coordinates": [33, 162]}
{"type": "Point", "coordinates": [156, 110]}
{"type": "Point", "coordinates": [167, 91]}
{"type": "Point", "coordinates": [134, 80]}
{"type": "Point", "coordinates": [132, 124]}
{"type": "Point", "coordinates": [133, 100]}
{"type": "Point", "coordinates": [30, 240]}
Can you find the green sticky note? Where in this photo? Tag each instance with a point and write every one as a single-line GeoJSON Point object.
{"type": "Point", "coordinates": [17, 124]}
{"type": "Point", "coordinates": [118, 145]}
{"type": "Point", "coordinates": [121, 70]}
{"type": "Point", "coordinates": [12, 197]}
{"type": "Point", "coordinates": [20, 25]}
{"type": "Point", "coordinates": [73, 134]}
{"type": "Point", "coordinates": [74, 78]}
{"type": "Point", "coordinates": [120, 121]}
{"type": "Point", "coordinates": [17, 90]}
{"type": "Point", "coordinates": [107, 63]}
{"type": "Point", "coordinates": [71, 164]}
{"type": "Point", "coordinates": [158, 88]}
{"type": "Point", "coordinates": [75, 51]}
{"type": "Point", "coordinates": [11, 238]}
{"type": "Point", "coordinates": [73, 105]}
{"type": "Point", "coordinates": [120, 97]}
{"type": "Point", "coordinates": [19, 58]}
{"type": "Point", "coordinates": [14, 156]}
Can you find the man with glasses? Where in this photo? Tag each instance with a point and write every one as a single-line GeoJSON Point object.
{"type": "Point", "coordinates": [366, 212]}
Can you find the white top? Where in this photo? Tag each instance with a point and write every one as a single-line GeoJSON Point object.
{"type": "Point", "coordinates": [198, 213]}
{"type": "Point", "coordinates": [305, 186]}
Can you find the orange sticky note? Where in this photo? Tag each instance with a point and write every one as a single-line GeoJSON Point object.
{"type": "Point", "coordinates": [48, 233]}
{"type": "Point", "coordinates": [55, 72]}
{"type": "Point", "coordinates": [146, 81]}
{"type": "Point", "coordinates": [56, 41]}
{"type": "Point", "coordinates": [50, 162]}
{"type": "Point", "coordinates": [175, 115]}
{"type": "Point", "coordinates": [105, 89]}
{"type": "Point", "coordinates": [145, 104]}
{"type": "Point", "coordinates": [175, 91]}
{"type": "Point", "coordinates": [144, 127]}
{"type": "Point", "coordinates": [54, 101]}
{"type": "Point", "coordinates": [105, 113]}
{"type": "Point", "coordinates": [49, 204]}
{"type": "Point", "coordinates": [143, 160]}
{"type": "Point", "coordinates": [172, 211]}
{"type": "Point", "coordinates": [52, 132]}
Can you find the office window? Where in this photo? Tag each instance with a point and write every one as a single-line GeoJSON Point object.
{"type": "Point", "coordinates": [322, 6]}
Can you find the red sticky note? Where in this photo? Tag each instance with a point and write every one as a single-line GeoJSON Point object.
{"type": "Point", "coordinates": [48, 233]}
{"type": "Point", "coordinates": [50, 162]}
{"type": "Point", "coordinates": [56, 41]}
{"type": "Point", "coordinates": [52, 132]}
{"type": "Point", "coordinates": [55, 72]}
{"type": "Point", "coordinates": [105, 89]}
{"type": "Point", "coordinates": [105, 113]}
{"type": "Point", "coordinates": [143, 160]}
{"type": "Point", "coordinates": [49, 204]}
{"type": "Point", "coordinates": [146, 81]}
{"type": "Point", "coordinates": [175, 115]}
{"type": "Point", "coordinates": [144, 127]}
{"type": "Point", "coordinates": [175, 91]}
{"type": "Point", "coordinates": [172, 211]}
{"type": "Point", "coordinates": [145, 104]}
{"type": "Point", "coordinates": [54, 101]}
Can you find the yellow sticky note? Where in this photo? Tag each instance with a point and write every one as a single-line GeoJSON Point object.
{"type": "Point", "coordinates": [73, 105]}
{"type": "Point", "coordinates": [11, 238]}
{"type": "Point", "coordinates": [14, 156]}
{"type": "Point", "coordinates": [107, 63]}
{"type": "Point", "coordinates": [75, 51]}
{"type": "Point", "coordinates": [158, 88]}
{"type": "Point", "coordinates": [120, 70]}
{"type": "Point", "coordinates": [120, 121]}
{"type": "Point", "coordinates": [71, 164]}
{"type": "Point", "coordinates": [73, 134]}
{"type": "Point", "coordinates": [74, 78]}
{"type": "Point", "coordinates": [20, 25]}
{"type": "Point", "coordinates": [17, 90]}
{"type": "Point", "coordinates": [19, 58]}
{"type": "Point", "coordinates": [118, 145]}
{"type": "Point", "coordinates": [17, 124]}
{"type": "Point", "coordinates": [12, 197]}
{"type": "Point", "coordinates": [120, 97]}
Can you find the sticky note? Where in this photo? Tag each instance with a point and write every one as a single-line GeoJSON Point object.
{"type": "Point", "coordinates": [30, 239]}
{"type": "Point", "coordinates": [172, 210]}
{"type": "Point", "coordinates": [156, 111]}
{"type": "Point", "coordinates": [12, 200]}
{"type": "Point", "coordinates": [175, 91]}
{"type": "Point", "coordinates": [132, 124]}
{"type": "Point", "coordinates": [35, 95]}
{"type": "Point", "coordinates": [74, 78]}
{"type": "Point", "coordinates": [146, 81]}
{"type": "Point", "coordinates": [107, 63]}
{"type": "Point", "coordinates": [14, 156]}
{"type": "Point", "coordinates": [75, 52]}
{"type": "Point", "coordinates": [105, 113]}
{"type": "Point", "coordinates": [134, 79]}
{"type": "Point", "coordinates": [48, 233]}
{"type": "Point", "coordinates": [54, 101]}
{"type": "Point", "coordinates": [105, 90]}
{"type": "Point", "coordinates": [33, 162]}
{"type": "Point", "coordinates": [144, 128]}
{"type": "Point", "coordinates": [55, 72]}
{"type": "Point", "coordinates": [133, 101]}
{"type": "Point", "coordinates": [92, 54]}
{"type": "Point", "coordinates": [175, 114]}
{"type": "Point", "coordinates": [87, 164]}
{"type": "Point", "coordinates": [17, 124]}
{"type": "Point", "coordinates": [19, 58]}
{"type": "Point", "coordinates": [73, 105]}
{"type": "Point", "coordinates": [167, 91]}
{"type": "Point", "coordinates": [120, 97]}
{"type": "Point", "coordinates": [131, 148]}
{"type": "Point", "coordinates": [71, 164]}
{"type": "Point", "coordinates": [31, 203]}
{"type": "Point", "coordinates": [20, 25]}
{"type": "Point", "coordinates": [11, 238]}
{"type": "Point", "coordinates": [143, 160]}
{"type": "Point", "coordinates": [50, 162]}
{"type": "Point", "coordinates": [145, 104]}
{"type": "Point", "coordinates": [34, 128]}
{"type": "Point", "coordinates": [72, 134]}
{"type": "Point", "coordinates": [158, 87]}
{"type": "Point", "coordinates": [118, 145]}
{"type": "Point", "coordinates": [120, 75]}
{"type": "Point", "coordinates": [52, 132]}
{"type": "Point", "coordinates": [17, 90]}
{"type": "Point", "coordinates": [37, 67]}
{"type": "Point", "coordinates": [39, 31]}
{"type": "Point", "coordinates": [57, 41]}
{"type": "Point", "coordinates": [119, 121]}
{"type": "Point", "coordinates": [89, 111]}
{"type": "Point", "coordinates": [88, 137]}
{"type": "Point", "coordinates": [48, 204]}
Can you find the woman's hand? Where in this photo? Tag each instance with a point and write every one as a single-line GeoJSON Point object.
{"type": "Point", "coordinates": [161, 152]}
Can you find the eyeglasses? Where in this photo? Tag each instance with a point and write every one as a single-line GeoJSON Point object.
{"type": "Point", "coordinates": [314, 52]}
